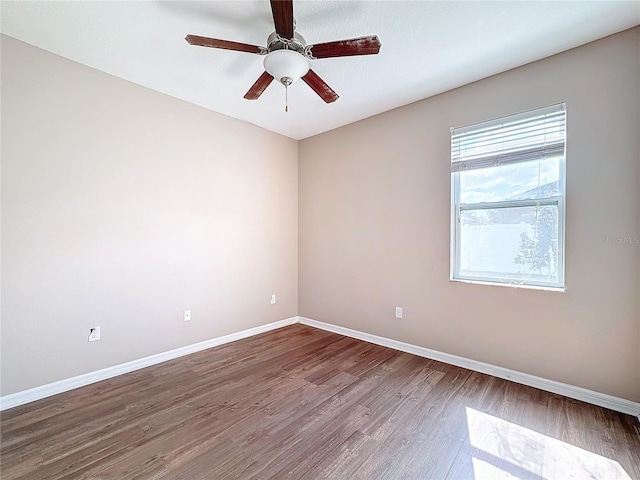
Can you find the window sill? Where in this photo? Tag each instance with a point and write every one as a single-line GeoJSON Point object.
{"type": "Point", "coordinates": [511, 285]}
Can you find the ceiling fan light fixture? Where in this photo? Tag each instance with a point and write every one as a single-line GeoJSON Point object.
{"type": "Point", "coordinates": [287, 54]}
{"type": "Point", "coordinates": [286, 66]}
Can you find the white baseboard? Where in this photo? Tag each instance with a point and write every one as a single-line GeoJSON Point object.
{"type": "Point", "coordinates": [589, 396]}
{"type": "Point", "coordinates": [43, 391]}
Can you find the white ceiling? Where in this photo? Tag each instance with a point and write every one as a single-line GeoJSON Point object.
{"type": "Point", "coordinates": [428, 47]}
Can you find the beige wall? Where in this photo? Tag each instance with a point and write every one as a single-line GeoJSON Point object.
{"type": "Point", "coordinates": [122, 207]}
{"type": "Point", "coordinates": [374, 226]}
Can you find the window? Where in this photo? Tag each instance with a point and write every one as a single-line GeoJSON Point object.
{"type": "Point", "coordinates": [507, 200]}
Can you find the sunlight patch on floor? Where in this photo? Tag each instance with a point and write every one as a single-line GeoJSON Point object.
{"type": "Point", "coordinates": [504, 450]}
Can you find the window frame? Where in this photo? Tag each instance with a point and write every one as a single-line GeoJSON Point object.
{"type": "Point", "coordinates": [559, 200]}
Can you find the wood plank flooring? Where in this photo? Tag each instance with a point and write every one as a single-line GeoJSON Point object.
{"type": "Point", "coordinates": [302, 403]}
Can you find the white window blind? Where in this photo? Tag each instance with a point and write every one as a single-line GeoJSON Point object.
{"type": "Point", "coordinates": [517, 138]}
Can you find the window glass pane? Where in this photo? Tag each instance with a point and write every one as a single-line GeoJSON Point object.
{"type": "Point", "coordinates": [518, 243]}
{"type": "Point", "coordinates": [534, 179]}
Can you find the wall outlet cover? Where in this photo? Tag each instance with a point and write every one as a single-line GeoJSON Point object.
{"type": "Point", "coordinates": [94, 334]}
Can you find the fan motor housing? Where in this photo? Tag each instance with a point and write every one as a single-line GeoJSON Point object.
{"type": "Point", "coordinates": [276, 42]}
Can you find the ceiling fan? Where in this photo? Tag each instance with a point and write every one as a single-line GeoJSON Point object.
{"type": "Point", "coordinates": [287, 54]}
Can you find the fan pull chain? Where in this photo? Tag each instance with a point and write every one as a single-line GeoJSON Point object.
{"type": "Point", "coordinates": [286, 81]}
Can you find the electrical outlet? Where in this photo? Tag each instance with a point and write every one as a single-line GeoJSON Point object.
{"type": "Point", "coordinates": [273, 299]}
{"type": "Point", "coordinates": [94, 334]}
{"type": "Point", "coordinates": [187, 315]}
{"type": "Point", "coordinates": [398, 312]}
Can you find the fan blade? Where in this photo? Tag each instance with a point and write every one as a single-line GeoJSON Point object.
{"type": "Point", "coordinates": [226, 44]}
{"type": "Point", "coordinates": [282, 11]}
{"type": "Point", "coordinates": [320, 87]}
{"type": "Point", "coordinates": [261, 84]}
{"type": "Point", "coordinates": [344, 48]}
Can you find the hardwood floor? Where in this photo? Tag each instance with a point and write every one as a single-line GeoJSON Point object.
{"type": "Point", "coordinates": [301, 403]}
